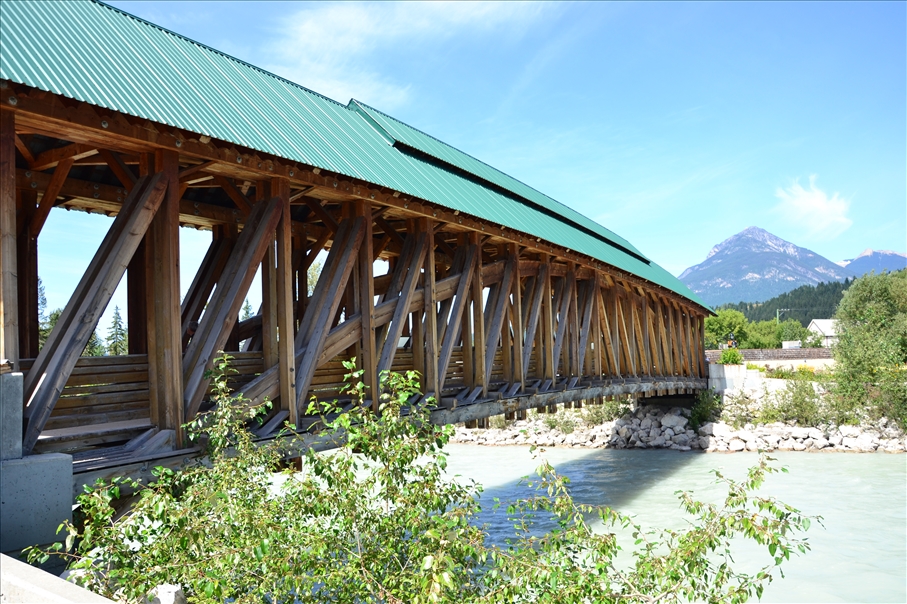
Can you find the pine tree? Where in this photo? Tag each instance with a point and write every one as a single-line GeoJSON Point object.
{"type": "Point", "coordinates": [246, 311]}
{"type": "Point", "coordinates": [95, 346]}
{"type": "Point", "coordinates": [44, 325]}
{"type": "Point", "coordinates": [117, 336]}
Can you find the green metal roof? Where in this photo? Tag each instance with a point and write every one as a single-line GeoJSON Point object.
{"type": "Point", "coordinates": [95, 53]}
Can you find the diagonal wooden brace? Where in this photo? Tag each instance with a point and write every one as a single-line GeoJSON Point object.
{"type": "Point", "coordinates": [55, 362]}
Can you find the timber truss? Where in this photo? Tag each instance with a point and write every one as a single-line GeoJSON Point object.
{"type": "Point", "coordinates": [494, 320]}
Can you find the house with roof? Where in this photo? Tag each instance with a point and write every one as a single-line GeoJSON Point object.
{"type": "Point", "coordinates": [826, 329]}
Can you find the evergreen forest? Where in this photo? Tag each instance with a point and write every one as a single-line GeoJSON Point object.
{"type": "Point", "coordinates": [803, 304]}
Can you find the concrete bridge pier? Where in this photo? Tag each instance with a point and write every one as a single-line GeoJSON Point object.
{"type": "Point", "coordinates": [35, 494]}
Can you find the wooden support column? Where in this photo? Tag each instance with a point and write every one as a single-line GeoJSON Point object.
{"type": "Point", "coordinates": [9, 286]}
{"type": "Point", "coordinates": [27, 263]}
{"type": "Point", "coordinates": [478, 319]}
{"type": "Point", "coordinates": [545, 357]}
{"type": "Point", "coordinates": [430, 379]}
{"type": "Point", "coordinates": [283, 300]}
{"type": "Point", "coordinates": [269, 294]}
{"type": "Point", "coordinates": [162, 273]}
{"type": "Point", "coordinates": [367, 353]}
{"type": "Point", "coordinates": [519, 376]}
{"type": "Point", "coordinates": [136, 284]}
{"type": "Point", "coordinates": [598, 351]}
{"type": "Point", "coordinates": [458, 315]}
{"type": "Point", "coordinates": [497, 305]}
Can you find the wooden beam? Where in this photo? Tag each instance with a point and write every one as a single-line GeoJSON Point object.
{"type": "Point", "coordinates": [286, 335]}
{"type": "Point", "coordinates": [27, 274]}
{"type": "Point", "coordinates": [517, 319]}
{"type": "Point", "coordinates": [325, 216]}
{"type": "Point", "coordinates": [532, 322]}
{"type": "Point", "coordinates": [457, 312]}
{"type": "Point", "coordinates": [24, 150]}
{"type": "Point", "coordinates": [268, 291]}
{"type": "Point", "coordinates": [162, 276]}
{"type": "Point", "coordinates": [53, 157]}
{"type": "Point", "coordinates": [568, 293]}
{"type": "Point", "coordinates": [388, 229]}
{"type": "Point", "coordinates": [119, 168]}
{"type": "Point", "coordinates": [51, 370]}
{"type": "Point", "coordinates": [588, 299]}
{"type": "Point", "coordinates": [186, 173]}
{"type": "Point", "coordinates": [50, 196]}
{"type": "Point", "coordinates": [367, 353]}
{"type": "Point", "coordinates": [203, 284]}
{"type": "Point", "coordinates": [493, 335]}
{"type": "Point", "coordinates": [330, 288]}
{"type": "Point", "coordinates": [222, 311]}
{"type": "Point", "coordinates": [479, 377]}
{"type": "Point", "coordinates": [241, 201]}
{"type": "Point", "coordinates": [9, 285]}
{"type": "Point", "coordinates": [431, 383]}
{"type": "Point", "coordinates": [395, 328]}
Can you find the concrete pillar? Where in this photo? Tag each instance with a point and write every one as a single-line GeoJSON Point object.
{"type": "Point", "coordinates": [36, 490]}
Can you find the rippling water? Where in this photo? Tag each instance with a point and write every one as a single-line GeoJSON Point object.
{"type": "Point", "coordinates": [860, 555]}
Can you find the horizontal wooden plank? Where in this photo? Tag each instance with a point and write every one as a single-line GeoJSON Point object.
{"type": "Point", "coordinates": [72, 391]}
{"type": "Point", "coordinates": [108, 378]}
{"type": "Point", "coordinates": [67, 404]}
{"type": "Point", "coordinates": [77, 432]}
{"type": "Point", "coordinates": [65, 422]}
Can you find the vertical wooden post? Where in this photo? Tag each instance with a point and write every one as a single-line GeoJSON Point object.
{"type": "Point", "coordinates": [547, 332]}
{"type": "Point", "coordinates": [573, 326]}
{"type": "Point", "coordinates": [430, 381]}
{"type": "Point", "coordinates": [136, 282]}
{"type": "Point", "coordinates": [478, 318]}
{"type": "Point", "coordinates": [517, 319]}
{"type": "Point", "coordinates": [598, 350]}
{"type": "Point", "coordinates": [162, 272]}
{"type": "Point", "coordinates": [367, 352]}
{"type": "Point", "coordinates": [283, 300]}
{"type": "Point", "coordinates": [9, 286]}
{"type": "Point", "coordinates": [269, 294]}
{"type": "Point", "coordinates": [27, 263]}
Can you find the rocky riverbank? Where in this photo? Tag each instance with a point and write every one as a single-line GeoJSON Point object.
{"type": "Point", "coordinates": [661, 428]}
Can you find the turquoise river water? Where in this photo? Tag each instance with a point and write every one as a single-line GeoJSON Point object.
{"type": "Point", "coordinates": [859, 556]}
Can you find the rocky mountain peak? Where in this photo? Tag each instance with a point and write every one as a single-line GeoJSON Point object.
{"type": "Point", "coordinates": [755, 265]}
{"type": "Point", "coordinates": [755, 239]}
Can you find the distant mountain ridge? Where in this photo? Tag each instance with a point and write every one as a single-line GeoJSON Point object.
{"type": "Point", "coordinates": [875, 260]}
{"type": "Point", "coordinates": [754, 265]}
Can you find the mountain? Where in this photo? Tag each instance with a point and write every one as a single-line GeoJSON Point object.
{"type": "Point", "coordinates": [754, 265]}
{"type": "Point", "coordinates": [876, 260]}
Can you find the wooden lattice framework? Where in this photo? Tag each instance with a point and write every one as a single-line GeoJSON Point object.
{"type": "Point", "coordinates": [495, 321]}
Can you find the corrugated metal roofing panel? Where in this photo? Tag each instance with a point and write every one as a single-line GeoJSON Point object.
{"type": "Point", "coordinates": [91, 52]}
{"type": "Point", "coordinates": [429, 145]}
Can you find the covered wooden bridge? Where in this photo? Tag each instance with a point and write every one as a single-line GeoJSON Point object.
{"type": "Point", "coordinates": [501, 297]}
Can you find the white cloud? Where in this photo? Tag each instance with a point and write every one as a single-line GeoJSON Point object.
{"type": "Point", "coordinates": [336, 49]}
{"type": "Point", "coordinates": [819, 216]}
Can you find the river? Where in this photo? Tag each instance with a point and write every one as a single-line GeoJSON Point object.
{"type": "Point", "coordinates": [859, 556]}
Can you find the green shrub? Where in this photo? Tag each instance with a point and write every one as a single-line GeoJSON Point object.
{"type": "Point", "coordinates": [499, 422]}
{"type": "Point", "coordinates": [870, 371]}
{"type": "Point", "coordinates": [730, 356]}
{"type": "Point", "coordinates": [377, 520]}
{"type": "Point", "coordinates": [611, 409]}
{"type": "Point", "coordinates": [754, 367]}
{"type": "Point", "coordinates": [707, 408]}
{"type": "Point", "coordinates": [798, 403]}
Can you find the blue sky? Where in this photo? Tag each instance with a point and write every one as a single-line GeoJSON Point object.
{"type": "Point", "coordinates": [675, 125]}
